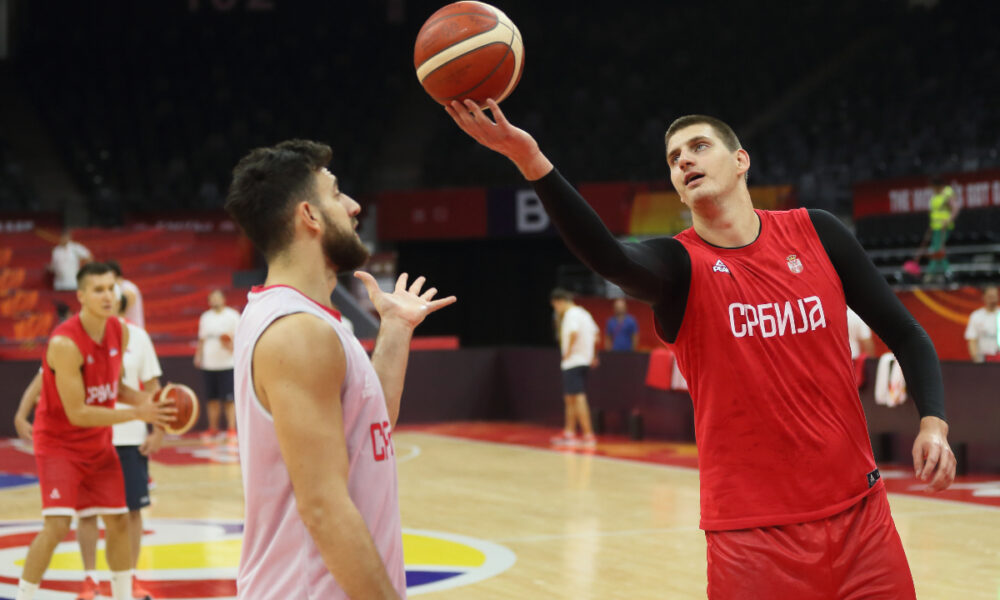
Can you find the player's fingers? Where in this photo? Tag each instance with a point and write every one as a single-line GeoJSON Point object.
{"type": "Point", "coordinates": [498, 115]}
{"type": "Point", "coordinates": [918, 459]}
{"type": "Point", "coordinates": [478, 116]}
{"type": "Point", "coordinates": [429, 294]}
{"type": "Point", "coordinates": [945, 473]}
{"type": "Point", "coordinates": [460, 116]}
{"type": "Point", "coordinates": [931, 462]}
{"type": "Point", "coordinates": [369, 282]}
{"type": "Point", "coordinates": [417, 284]}
{"type": "Point", "coordinates": [439, 304]}
{"type": "Point", "coordinates": [401, 282]}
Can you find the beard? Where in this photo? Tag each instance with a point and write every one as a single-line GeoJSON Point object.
{"type": "Point", "coordinates": [343, 248]}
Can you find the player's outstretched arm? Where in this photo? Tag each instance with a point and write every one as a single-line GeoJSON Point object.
{"type": "Point", "coordinates": [65, 359]}
{"type": "Point", "coordinates": [644, 271]}
{"type": "Point", "coordinates": [28, 401]}
{"type": "Point", "coordinates": [401, 312]}
{"type": "Point", "coordinates": [869, 295]}
{"type": "Point", "coordinates": [299, 369]}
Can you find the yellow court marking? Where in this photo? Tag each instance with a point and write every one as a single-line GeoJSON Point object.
{"type": "Point", "coordinates": [189, 555]}
{"type": "Point", "coordinates": [424, 550]}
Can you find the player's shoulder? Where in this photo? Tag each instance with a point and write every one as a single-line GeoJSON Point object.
{"type": "Point", "coordinates": [63, 348]}
{"type": "Point", "coordinates": [299, 339]}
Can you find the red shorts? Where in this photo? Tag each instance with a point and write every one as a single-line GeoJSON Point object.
{"type": "Point", "coordinates": [93, 486]}
{"type": "Point", "coordinates": [851, 555]}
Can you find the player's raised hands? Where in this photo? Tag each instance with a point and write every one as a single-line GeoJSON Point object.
{"type": "Point", "coordinates": [933, 460]}
{"type": "Point", "coordinates": [499, 135]}
{"type": "Point", "coordinates": [407, 305]}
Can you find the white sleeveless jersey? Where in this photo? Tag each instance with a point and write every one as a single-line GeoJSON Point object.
{"type": "Point", "coordinates": [279, 559]}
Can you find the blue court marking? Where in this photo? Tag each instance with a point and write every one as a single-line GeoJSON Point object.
{"type": "Point", "coordinates": [10, 480]}
{"type": "Point", "coordinates": [415, 578]}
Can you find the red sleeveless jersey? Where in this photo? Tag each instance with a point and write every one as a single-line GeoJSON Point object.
{"type": "Point", "coordinates": [53, 433]}
{"type": "Point", "coordinates": [781, 434]}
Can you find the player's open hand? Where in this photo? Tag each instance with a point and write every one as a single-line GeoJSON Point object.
{"type": "Point", "coordinates": [406, 305]}
{"type": "Point", "coordinates": [154, 441]}
{"type": "Point", "coordinates": [499, 135]}
{"type": "Point", "coordinates": [933, 460]}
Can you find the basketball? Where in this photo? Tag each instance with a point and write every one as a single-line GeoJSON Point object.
{"type": "Point", "coordinates": [227, 341]}
{"type": "Point", "coordinates": [468, 50]}
{"type": "Point", "coordinates": [186, 403]}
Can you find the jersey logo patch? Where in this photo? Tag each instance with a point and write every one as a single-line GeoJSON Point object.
{"type": "Point", "coordinates": [113, 353]}
{"type": "Point", "coordinates": [873, 478]}
{"type": "Point", "coordinates": [90, 359]}
{"type": "Point", "coordinates": [55, 494]}
{"type": "Point", "coordinates": [794, 264]}
{"type": "Point", "coordinates": [720, 267]}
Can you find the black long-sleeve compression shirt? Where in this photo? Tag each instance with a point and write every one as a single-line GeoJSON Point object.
{"type": "Point", "coordinates": [658, 271]}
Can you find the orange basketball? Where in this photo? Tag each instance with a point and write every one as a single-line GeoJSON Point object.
{"type": "Point", "coordinates": [469, 50]}
{"type": "Point", "coordinates": [186, 404]}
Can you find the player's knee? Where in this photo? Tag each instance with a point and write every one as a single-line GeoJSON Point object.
{"type": "Point", "coordinates": [116, 523]}
{"type": "Point", "coordinates": [58, 527]}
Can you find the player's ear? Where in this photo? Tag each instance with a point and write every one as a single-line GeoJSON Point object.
{"type": "Point", "coordinates": [308, 215]}
{"type": "Point", "coordinates": [742, 161]}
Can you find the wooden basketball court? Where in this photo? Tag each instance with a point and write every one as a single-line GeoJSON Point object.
{"type": "Point", "coordinates": [507, 519]}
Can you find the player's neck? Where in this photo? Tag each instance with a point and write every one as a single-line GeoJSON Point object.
{"type": "Point", "coordinates": [307, 272]}
{"type": "Point", "coordinates": [93, 324]}
{"type": "Point", "coordinates": [727, 222]}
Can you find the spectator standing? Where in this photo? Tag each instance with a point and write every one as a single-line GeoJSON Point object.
{"type": "Point", "coordinates": [943, 211]}
{"type": "Point", "coordinates": [577, 338]}
{"type": "Point", "coordinates": [67, 258]}
{"type": "Point", "coordinates": [214, 357]}
{"type": "Point", "coordinates": [622, 330]}
{"type": "Point", "coordinates": [982, 331]}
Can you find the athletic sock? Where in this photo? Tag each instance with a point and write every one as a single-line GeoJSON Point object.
{"type": "Point", "coordinates": [26, 590]}
{"type": "Point", "coordinates": [121, 585]}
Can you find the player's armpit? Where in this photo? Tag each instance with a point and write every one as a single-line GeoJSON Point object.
{"type": "Point", "coordinates": [298, 371]}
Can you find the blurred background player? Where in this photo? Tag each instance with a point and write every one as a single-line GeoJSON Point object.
{"type": "Point", "coordinates": [621, 334]}
{"type": "Point", "coordinates": [214, 357]}
{"type": "Point", "coordinates": [67, 257]}
{"type": "Point", "coordinates": [712, 289]}
{"type": "Point", "coordinates": [316, 415]}
{"type": "Point", "coordinates": [577, 341]}
{"type": "Point", "coordinates": [134, 445]}
{"type": "Point", "coordinates": [982, 331]}
{"type": "Point", "coordinates": [78, 470]}
{"type": "Point", "coordinates": [133, 296]}
{"type": "Point", "coordinates": [859, 336]}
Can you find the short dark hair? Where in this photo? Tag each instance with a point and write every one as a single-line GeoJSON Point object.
{"type": "Point", "coordinates": [115, 267]}
{"type": "Point", "coordinates": [561, 294]}
{"type": "Point", "coordinates": [723, 130]}
{"type": "Point", "coordinates": [91, 268]}
{"type": "Point", "coordinates": [266, 183]}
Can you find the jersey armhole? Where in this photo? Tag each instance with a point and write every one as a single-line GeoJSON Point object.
{"type": "Point", "coordinates": [253, 384]}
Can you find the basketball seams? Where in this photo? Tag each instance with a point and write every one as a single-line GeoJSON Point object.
{"type": "Point", "coordinates": [473, 43]}
{"type": "Point", "coordinates": [488, 76]}
{"type": "Point", "coordinates": [446, 48]}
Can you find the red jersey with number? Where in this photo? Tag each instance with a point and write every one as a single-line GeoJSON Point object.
{"type": "Point", "coordinates": [781, 434]}
{"type": "Point", "coordinates": [101, 370]}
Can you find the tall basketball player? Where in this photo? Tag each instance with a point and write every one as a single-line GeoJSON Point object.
{"type": "Point", "coordinates": [78, 468]}
{"type": "Point", "coordinates": [755, 303]}
{"type": "Point", "coordinates": [314, 414]}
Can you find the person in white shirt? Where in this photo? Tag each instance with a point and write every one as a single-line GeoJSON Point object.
{"type": "Point", "coordinates": [67, 258]}
{"type": "Point", "coordinates": [133, 297]}
{"type": "Point", "coordinates": [577, 341]}
{"type": "Point", "coordinates": [859, 335]}
{"type": "Point", "coordinates": [981, 333]}
{"type": "Point", "coordinates": [214, 357]}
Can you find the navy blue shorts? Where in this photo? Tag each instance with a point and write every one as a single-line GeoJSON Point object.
{"type": "Point", "coordinates": [135, 468]}
{"type": "Point", "coordinates": [575, 380]}
{"type": "Point", "coordinates": [219, 385]}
